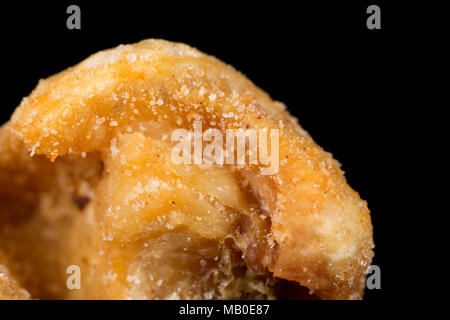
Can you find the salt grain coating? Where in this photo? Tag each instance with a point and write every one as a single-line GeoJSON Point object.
{"type": "Point", "coordinates": [87, 179]}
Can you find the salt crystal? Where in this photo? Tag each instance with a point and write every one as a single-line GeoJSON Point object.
{"type": "Point", "coordinates": [219, 206]}
{"type": "Point", "coordinates": [36, 145]}
{"type": "Point", "coordinates": [114, 149]}
{"type": "Point", "coordinates": [131, 57]}
{"type": "Point", "coordinates": [100, 120]}
{"type": "Point", "coordinates": [208, 295]}
{"type": "Point", "coordinates": [173, 296]}
{"type": "Point", "coordinates": [108, 237]}
{"type": "Point", "coordinates": [133, 279]}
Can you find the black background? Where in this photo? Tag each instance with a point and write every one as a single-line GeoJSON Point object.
{"type": "Point", "coordinates": [317, 57]}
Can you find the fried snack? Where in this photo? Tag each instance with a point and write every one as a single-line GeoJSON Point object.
{"type": "Point", "coordinates": [109, 198]}
{"type": "Point", "coordinates": [9, 288]}
{"type": "Point", "coordinates": [39, 201]}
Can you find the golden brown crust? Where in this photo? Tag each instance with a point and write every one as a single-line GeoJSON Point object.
{"type": "Point", "coordinates": [39, 202]}
{"type": "Point", "coordinates": [9, 287]}
{"type": "Point", "coordinates": [117, 101]}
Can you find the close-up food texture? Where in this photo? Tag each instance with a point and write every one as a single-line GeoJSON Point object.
{"type": "Point", "coordinates": [87, 180]}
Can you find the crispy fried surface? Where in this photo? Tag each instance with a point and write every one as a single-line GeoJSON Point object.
{"type": "Point", "coordinates": [142, 227]}
{"type": "Point", "coordinates": [9, 287]}
{"type": "Point", "coordinates": [39, 201]}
